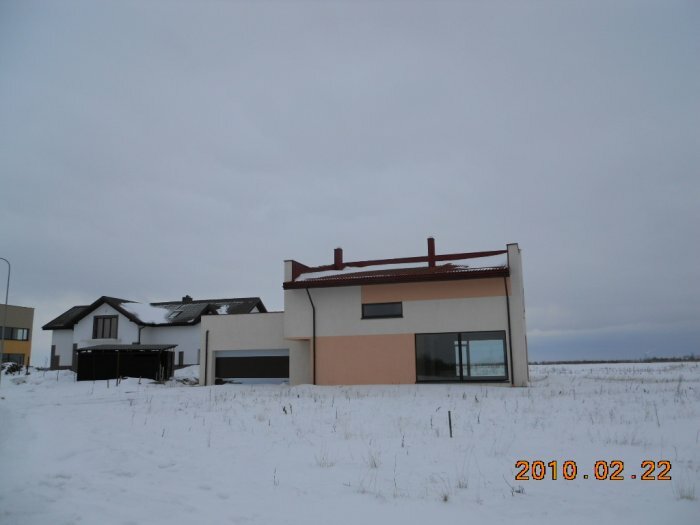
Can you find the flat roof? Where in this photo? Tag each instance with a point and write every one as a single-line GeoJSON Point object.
{"type": "Point", "coordinates": [430, 267]}
{"type": "Point", "coordinates": [121, 348]}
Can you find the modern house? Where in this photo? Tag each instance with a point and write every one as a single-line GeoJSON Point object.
{"type": "Point", "coordinates": [17, 339]}
{"type": "Point", "coordinates": [115, 336]}
{"type": "Point", "coordinates": [456, 317]}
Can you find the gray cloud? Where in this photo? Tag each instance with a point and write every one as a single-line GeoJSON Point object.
{"type": "Point", "coordinates": [149, 150]}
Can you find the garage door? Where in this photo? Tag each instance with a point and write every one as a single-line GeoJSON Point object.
{"type": "Point", "coordinates": [252, 366]}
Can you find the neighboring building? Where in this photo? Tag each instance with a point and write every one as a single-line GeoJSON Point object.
{"type": "Point", "coordinates": [452, 317]}
{"type": "Point", "coordinates": [18, 334]}
{"type": "Point", "coordinates": [112, 326]}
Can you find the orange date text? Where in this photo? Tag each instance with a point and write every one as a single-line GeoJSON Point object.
{"type": "Point", "coordinates": [609, 470]}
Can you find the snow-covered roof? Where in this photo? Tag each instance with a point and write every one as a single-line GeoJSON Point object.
{"type": "Point", "coordinates": [185, 312]}
{"type": "Point", "coordinates": [493, 261]}
{"type": "Point", "coordinates": [148, 314]}
{"type": "Point", "coordinates": [433, 267]}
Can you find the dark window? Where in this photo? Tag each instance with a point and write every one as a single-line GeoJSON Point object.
{"type": "Point", "coordinates": [381, 310]}
{"type": "Point", "coordinates": [105, 327]}
{"type": "Point", "coordinates": [461, 356]}
{"type": "Point", "coordinates": [252, 367]}
{"type": "Point", "coordinates": [16, 334]}
{"type": "Point", "coordinates": [13, 358]}
{"type": "Point", "coordinates": [436, 359]}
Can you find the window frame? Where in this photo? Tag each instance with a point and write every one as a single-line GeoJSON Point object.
{"type": "Point", "coordinates": [98, 327]}
{"type": "Point", "coordinates": [15, 334]}
{"type": "Point", "coordinates": [14, 358]}
{"type": "Point", "coordinates": [390, 316]}
{"type": "Point", "coordinates": [471, 336]}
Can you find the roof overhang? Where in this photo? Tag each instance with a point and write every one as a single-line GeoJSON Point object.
{"type": "Point", "coordinates": [350, 280]}
{"type": "Point", "coordinates": [126, 348]}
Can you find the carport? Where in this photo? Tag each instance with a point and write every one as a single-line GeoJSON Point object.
{"type": "Point", "coordinates": [113, 361]}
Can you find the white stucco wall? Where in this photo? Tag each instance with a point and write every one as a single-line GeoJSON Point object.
{"type": "Point", "coordinates": [339, 313]}
{"type": "Point", "coordinates": [246, 332]}
{"type": "Point", "coordinates": [63, 341]}
{"type": "Point", "coordinates": [521, 374]}
{"type": "Point", "coordinates": [297, 314]}
{"type": "Point", "coordinates": [300, 364]}
{"type": "Point", "coordinates": [127, 331]}
{"type": "Point", "coordinates": [187, 339]}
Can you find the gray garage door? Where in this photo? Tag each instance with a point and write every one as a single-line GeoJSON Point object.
{"type": "Point", "coordinates": [252, 366]}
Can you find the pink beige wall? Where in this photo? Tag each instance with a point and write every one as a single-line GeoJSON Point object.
{"type": "Point", "coordinates": [366, 359]}
{"type": "Point", "coordinates": [425, 291]}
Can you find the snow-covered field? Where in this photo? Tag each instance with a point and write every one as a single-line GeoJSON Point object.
{"type": "Point", "coordinates": [94, 453]}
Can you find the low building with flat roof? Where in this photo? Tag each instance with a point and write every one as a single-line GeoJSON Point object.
{"type": "Point", "coordinates": [17, 338]}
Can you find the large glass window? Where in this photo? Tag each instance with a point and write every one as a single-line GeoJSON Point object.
{"type": "Point", "coordinates": [105, 327]}
{"type": "Point", "coordinates": [436, 357]}
{"type": "Point", "coordinates": [461, 356]}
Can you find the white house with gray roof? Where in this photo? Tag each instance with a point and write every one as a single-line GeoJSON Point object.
{"type": "Point", "coordinates": [110, 323]}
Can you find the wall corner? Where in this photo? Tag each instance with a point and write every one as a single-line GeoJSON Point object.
{"type": "Point", "coordinates": [518, 334]}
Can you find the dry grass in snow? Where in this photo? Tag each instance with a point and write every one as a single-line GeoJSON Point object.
{"type": "Point", "coordinates": [142, 453]}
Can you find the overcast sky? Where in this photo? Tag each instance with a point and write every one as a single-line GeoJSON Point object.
{"type": "Point", "coordinates": [154, 149]}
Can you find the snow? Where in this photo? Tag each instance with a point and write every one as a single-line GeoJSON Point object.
{"type": "Point", "coordinates": [222, 310]}
{"type": "Point", "coordinates": [477, 262]}
{"type": "Point", "coordinates": [147, 313]}
{"type": "Point", "coordinates": [258, 454]}
{"type": "Point", "coordinates": [189, 372]}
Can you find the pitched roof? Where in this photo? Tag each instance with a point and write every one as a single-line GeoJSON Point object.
{"type": "Point", "coordinates": [74, 314]}
{"type": "Point", "coordinates": [65, 320]}
{"type": "Point", "coordinates": [170, 313]}
{"type": "Point", "coordinates": [234, 305]}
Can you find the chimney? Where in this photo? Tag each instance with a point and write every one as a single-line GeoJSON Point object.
{"type": "Point", "coordinates": [338, 259]}
{"type": "Point", "coordinates": [187, 299]}
{"type": "Point", "coordinates": [431, 252]}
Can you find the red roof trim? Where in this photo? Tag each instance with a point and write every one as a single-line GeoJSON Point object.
{"type": "Point", "coordinates": [299, 268]}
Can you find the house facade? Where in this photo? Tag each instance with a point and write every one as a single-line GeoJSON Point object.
{"type": "Point", "coordinates": [110, 324]}
{"type": "Point", "coordinates": [17, 338]}
{"type": "Point", "coordinates": [456, 317]}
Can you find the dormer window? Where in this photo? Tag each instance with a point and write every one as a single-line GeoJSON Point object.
{"type": "Point", "coordinates": [105, 326]}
